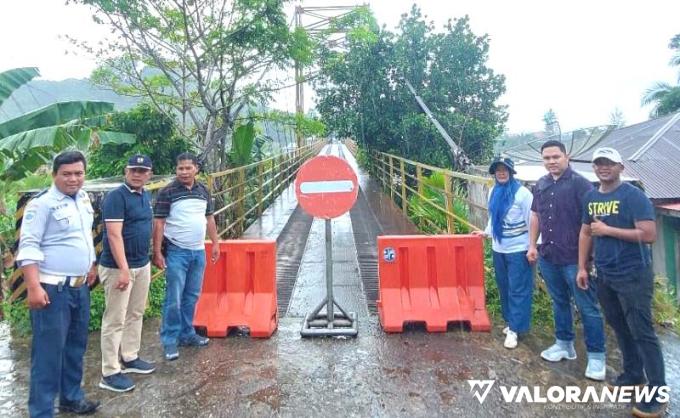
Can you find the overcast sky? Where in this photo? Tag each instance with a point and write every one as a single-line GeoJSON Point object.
{"type": "Point", "coordinates": [582, 58]}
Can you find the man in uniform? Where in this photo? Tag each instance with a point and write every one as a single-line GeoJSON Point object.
{"type": "Point", "coordinates": [56, 255]}
{"type": "Point", "coordinates": [125, 272]}
{"type": "Point", "coordinates": [182, 212]}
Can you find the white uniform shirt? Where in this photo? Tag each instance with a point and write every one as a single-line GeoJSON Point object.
{"type": "Point", "coordinates": [56, 232]}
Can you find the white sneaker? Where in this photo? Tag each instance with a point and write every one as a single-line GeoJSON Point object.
{"type": "Point", "coordinates": [596, 369]}
{"type": "Point", "coordinates": [557, 352]}
{"type": "Point", "coordinates": [505, 330]}
{"type": "Point", "coordinates": [510, 340]}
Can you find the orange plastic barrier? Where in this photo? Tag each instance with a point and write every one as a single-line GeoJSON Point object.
{"type": "Point", "coordinates": [240, 289]}
{"type": "Point", "coordinates": [431, 279]}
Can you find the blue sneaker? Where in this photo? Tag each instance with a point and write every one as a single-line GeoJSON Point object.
{"type": "Point", "coordinates": [171, 352]}
{"type": "Point", "coordinates": [138, 366]}
{"type": "Point", "coordinates": [195, 341]}
{"type": "Point", "coordinates": [117, 383]}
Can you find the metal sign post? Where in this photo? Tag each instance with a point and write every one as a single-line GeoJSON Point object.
{"type": "Point", "coordinates": [326, 188]}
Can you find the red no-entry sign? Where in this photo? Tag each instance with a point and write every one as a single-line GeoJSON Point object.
{"type": "Point", "coordinates": [326, 187]}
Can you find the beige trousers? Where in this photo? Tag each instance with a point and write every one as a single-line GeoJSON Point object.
{"type": "Point", "coordinates": [121, 332]}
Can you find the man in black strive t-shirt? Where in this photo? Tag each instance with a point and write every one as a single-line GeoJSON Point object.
{"type": "Point", "coordinates": [618, 224]}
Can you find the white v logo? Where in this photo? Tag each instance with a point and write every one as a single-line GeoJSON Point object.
{"type": "Point", "coordinates": [484, 388]}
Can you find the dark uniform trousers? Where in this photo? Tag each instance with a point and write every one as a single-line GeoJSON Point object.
{"type": "Point", "coordinates": [60, 332]}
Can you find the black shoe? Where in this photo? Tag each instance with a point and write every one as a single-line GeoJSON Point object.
{"type": "Point", "coordinates": [651, 409]}
{"type": "Point", "coordinates": [81, 407]}
{"type": "Point", "coordinates": [138, 366]}
{"type": "Point", "coordinates": [117, 383]}
{"type": "Point", "coordinates": [623, 381]}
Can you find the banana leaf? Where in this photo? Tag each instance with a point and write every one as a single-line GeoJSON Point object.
{"type": "Point", "coordinates": [11, 80]}
{"type": "Point", "coordinates": [52, 115]}
{"type": "Point", "coordinates": [242, 144]}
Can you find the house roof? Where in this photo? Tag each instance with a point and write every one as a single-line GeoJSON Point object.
{"type": "Point", "coordinates": [650, 150]}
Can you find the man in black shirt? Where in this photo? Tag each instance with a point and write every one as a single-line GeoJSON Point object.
{"type": "Point", "coordinates": [125, 271]}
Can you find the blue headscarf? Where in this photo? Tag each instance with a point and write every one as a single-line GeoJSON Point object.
{"type": "Point", "coordinates": [500, 202]}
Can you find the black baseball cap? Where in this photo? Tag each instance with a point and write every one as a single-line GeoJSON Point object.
{"type": "Point", "coordinates": [139, 161]}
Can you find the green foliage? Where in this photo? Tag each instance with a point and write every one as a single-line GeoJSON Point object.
{"type": "Point", "coordinates": [29, 141]}
{"type": "Point", "coordinates": [431, 219]}
{"type": "Point", "coordinates": [665, 305]}
{"type": "Point", "coordinates": [154, 308]}
{"type": "Point", "coordinates": [156, 137]}
{"type": "Point", "coordinates": [205, 61]}
{"type": "Point", "coordinates": [361, 92]}
{"type": "Point", "coordinates": [665, 97]}
{"type": "Point", "coordinates": [18, 316]}
{"type": "Point", "coordinates": [363, 158]}
{"type": "Point", "coordinates": [310, 126]}
{"type": "Point", "coordinates": [242, 144]}
{"type": "Point", "coordinates": [9, 194]}
{"type": "Point", "coordinates": [97, 307]}
{"type": "Point", "coordinates": [301, 47]}
{"type": "Point", "coordinates": [11, 80]}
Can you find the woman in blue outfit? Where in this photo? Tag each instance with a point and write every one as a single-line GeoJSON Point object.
{"type": "Point", "coordinates": [508, 226]}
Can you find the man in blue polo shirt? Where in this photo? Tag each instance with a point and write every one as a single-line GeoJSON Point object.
{"type": "Point", "coordinates": [183, 212]}
{"type": "Point", "coordinates": [556, 214]}
{"type": "Point", "coordinates": [619, 220]}
{"type": "Point", "coordinates": [125, 272]}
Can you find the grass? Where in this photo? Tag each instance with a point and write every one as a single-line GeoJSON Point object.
{"type": "Point", "coordinates": [665, 305]}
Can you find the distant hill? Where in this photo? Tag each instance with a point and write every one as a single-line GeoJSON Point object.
{"type": "Point", "coordinates": [39, 93]}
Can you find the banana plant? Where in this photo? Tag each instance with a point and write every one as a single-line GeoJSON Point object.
{"type": "Point", "coordinates": [242, 144]}
{"type": "Point", "coordinates": [30, 140]}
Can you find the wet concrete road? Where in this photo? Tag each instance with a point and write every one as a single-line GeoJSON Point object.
{"type": "Point", "coordinates": [414, 374]}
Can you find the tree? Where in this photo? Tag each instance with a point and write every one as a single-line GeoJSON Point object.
{"type": "Point", "coordinates": [157, 137]}
{"type": "Point", "coordinates": [205, 60]}
{"type": "Point", "coordinates": [362, 93]}
{"type": "Point", "coordinates": [675, 45]}
{"type": "Point", "coordinates": [665, 97]}
{"type": "Point", "coordinates": [616, 118]}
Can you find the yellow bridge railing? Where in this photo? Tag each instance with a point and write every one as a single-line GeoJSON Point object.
{"type": "Point", "coordinates": [411, 185]}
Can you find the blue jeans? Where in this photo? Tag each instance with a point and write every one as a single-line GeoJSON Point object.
{"type": "Point", "coordinates": [60, 333]}
{"type": "Point", "coordinates": [515, 280]}
{"type": "Point", "coordinates": [627, 305]}
{"type": "Point", "coordinates": [183, 281]}
{"type": "Point", "coordinates": [561, 283]}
